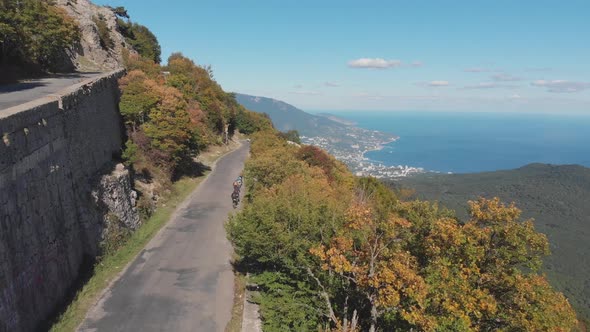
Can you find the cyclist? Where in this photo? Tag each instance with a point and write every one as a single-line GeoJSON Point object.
{"type": "Point", "coordinates": [235, 198]}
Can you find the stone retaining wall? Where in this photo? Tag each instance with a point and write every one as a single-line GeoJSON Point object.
{"type": "Point", "coordinates": [53, 153]}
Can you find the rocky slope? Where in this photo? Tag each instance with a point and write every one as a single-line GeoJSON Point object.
{"type": "Point", "coordinates": [89, 55]}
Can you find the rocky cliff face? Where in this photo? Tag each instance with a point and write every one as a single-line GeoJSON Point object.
{"type": "Point", "coordinates": [90, 55]}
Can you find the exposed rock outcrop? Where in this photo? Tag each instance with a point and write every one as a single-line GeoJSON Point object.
{"type": "Point", "coordinates": [114, 195]}
{"type": "Point", "coordinates": [90, 55]}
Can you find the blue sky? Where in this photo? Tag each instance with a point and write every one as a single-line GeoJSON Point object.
{"type": "Point", "coordinates": [504, 56]}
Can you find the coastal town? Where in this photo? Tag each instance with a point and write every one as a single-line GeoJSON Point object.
{"type": "Point", "coordinates": [350, 145]}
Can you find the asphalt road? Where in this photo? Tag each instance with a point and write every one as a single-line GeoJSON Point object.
{"type": "Point", "coordinates": [20, 93]}
{"type": "Point", "coordinates": [183, 279]}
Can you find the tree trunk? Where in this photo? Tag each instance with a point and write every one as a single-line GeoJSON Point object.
{"type": "Point", "coordinates": [345, 315]}
{"type": "Point", "coordinates": [326, 297]}
{"type": "Point", "coordinates": [354, 321]}
{"type": "Point", "coordinates": [373, 318]}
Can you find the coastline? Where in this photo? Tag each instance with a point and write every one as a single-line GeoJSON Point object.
{"type": "Point", "coordinates": [351, 147]}
{"type": "Point", "coordinates": [380, 147]}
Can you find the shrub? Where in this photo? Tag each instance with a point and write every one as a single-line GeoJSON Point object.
{"type": "Point", "coordinates": [104, 33]}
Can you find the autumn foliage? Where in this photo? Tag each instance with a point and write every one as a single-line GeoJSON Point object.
{"type": "Point", "coordinates": [174, 112]}
{"type": "Point", "coordinates": [331, 252]}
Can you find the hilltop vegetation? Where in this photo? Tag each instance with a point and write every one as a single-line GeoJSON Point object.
{"type": "Point", "coordinates": [138, 36]}
{"type": "Point", "coordinates": [555, 196]}
{"type": "Point", "coordinates": [333, 252]}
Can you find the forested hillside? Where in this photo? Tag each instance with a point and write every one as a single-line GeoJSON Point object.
{"type": "Point", "coordinates": [330, 251]}
{"type": "Point", "coordinates": [555, 196]}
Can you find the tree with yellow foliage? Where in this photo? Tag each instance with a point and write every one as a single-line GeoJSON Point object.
{"type": "Point", "coordinates": [482, 274]}
{"type": "Point", "coordinates": [368, 254]}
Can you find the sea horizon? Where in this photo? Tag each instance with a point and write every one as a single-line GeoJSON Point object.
{"type": "Point", "coordinates": [583, 114]}
{"type": "Point", "coordinates": [463, 142]}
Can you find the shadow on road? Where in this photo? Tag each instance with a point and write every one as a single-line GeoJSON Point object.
{"type": "Point", "coordinates": [75, 75]}
{"type": "Point", "coordinates": [21, 86]}
{"type": "Point", "coordinates": [26, 84]}
{"type": "Point", "coordinates": [191, 168]}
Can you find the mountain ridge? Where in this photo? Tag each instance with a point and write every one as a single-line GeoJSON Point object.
{"type": "Point", "coordinates": [287, 117]}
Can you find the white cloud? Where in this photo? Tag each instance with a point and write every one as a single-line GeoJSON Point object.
{"type": "Point", "coordinates": [477, 70]}
{"type": "Point", "coordinates": [538, 69]}
{"type": "Point", "coordinates": [374, 63]}
{"type": "Point", "coordinates": [561, 86]}
{"type": "Point", "coordinates": [515, 96]}
{"type": "Point", "coordinates": [502, 77]}
{"type": "Point", "coordinates": [306, 92]}
{"type": "Point", "coordinates": [332, 84]}
{"type": "Point", "coordinates": [489, 85]}
{"type": "Point", "coordinates": [437, 84]}
{"type": "Point", "coordinates": [416, 64]}
{"type": "Point", "coordinates": [370, 96]}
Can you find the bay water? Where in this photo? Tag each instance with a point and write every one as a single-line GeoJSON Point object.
{"type": "Point", "coordinates": [461, 142]}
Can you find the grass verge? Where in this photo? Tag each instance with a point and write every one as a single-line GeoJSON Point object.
{"type": "Point", "coordinates": [235, 323]}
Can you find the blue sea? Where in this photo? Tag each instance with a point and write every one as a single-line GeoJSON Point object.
{"type": "Point", "coordinates": [476, 142]}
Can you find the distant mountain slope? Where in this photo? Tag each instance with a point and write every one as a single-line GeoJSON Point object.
{"type": "Point", "coordinates": [337, 119]}
{"type": "Point", "coordinates": [557, 197]}
{"type": "Point", "coordinates": [287, 117]}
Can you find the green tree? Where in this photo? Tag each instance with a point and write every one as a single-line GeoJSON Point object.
{"type": "Point", "coordinates": [121, 12]}
{"type": "Point", "coordinates": [35, 32]}
{"type": "Point", "coordinates": [169, 128]}
{"type": "Point", "coordinates": [138, 99]}
{"type": "Point", "coordinates": [139, 37]}
{"type": "Point", "coordinates": [274, 234]}
{"type": "Point", "coordinates": [291, 135]}
{"type": "Point", "coordinates": [248, 122]}
{"type": "Point", "coordinates": [145, 42]}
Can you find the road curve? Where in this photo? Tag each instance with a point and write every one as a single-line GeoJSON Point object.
{"type": "Point", "coordinates": [182, 280]}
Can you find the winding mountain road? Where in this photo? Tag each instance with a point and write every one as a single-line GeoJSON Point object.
{"type": "Point", "coordinates": [23, 92]}
{"type": "Point", "coordinates": [183, 279]}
